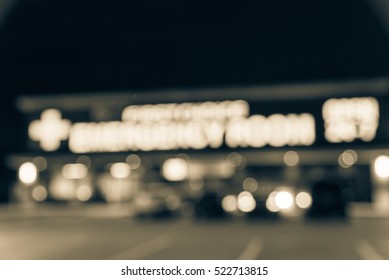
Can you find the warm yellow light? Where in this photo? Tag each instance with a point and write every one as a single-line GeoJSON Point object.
{"type": "Point", "coordinates": [276, 130]}
{"type": "Point", "coordinates": [381, 167]}
{"type": "Point", "coordinates": [250, 185]}
{"type": "Point", "coordinates": [303, 200]}
{"type": "Point", "coordinates": [291, 158]}
{"type": "Point", "coordinates": [39, 193]}
{"type": "Point", "coordinates": [229, 203]}
{"type": "Point", "coordinates": [283, 200]}
{"type": "Point", "coordinates": [133, 161]}
{"type": "Point", "coordinates": [84, 193]}
{"type": "Point", "coordinates": [61, 188]}
{"type": "Point", "coordinates": [28, 173]}
{"type": "Point", "coordinates": [235, 159]}
{"type": "Point", "coordinates": [175, 169]}
{"type": "Point", "coordinates": [50, 130]}
{"type": "Point", "coordinates": [246, 202]}
{"type": "Point", "coordinates": [40, 163]}
{"type": "Point", "coordinates": [120, 170]}
{"type": "Point", "coordinates": [348, 158]}
{"type": "Point", "coordinates": [348, 119]}
{"type": "Point", "coordinates": [74, 171]}
{"type": "Point", "coordinates": [186, 111]}
{"type": "Point", "coordinates": [271, 204]}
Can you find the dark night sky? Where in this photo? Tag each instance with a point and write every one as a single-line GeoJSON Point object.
{"type": "Point", "coordinates": [51, 46]}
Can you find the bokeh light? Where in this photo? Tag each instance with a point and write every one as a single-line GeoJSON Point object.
{"type": "Point", "coordinates": [28, 173]}
{"type": "Point", "coordinates": [291, 158]}
{"type": "Point", "coordinates": [283, 199]}
{"type": "Point", "coordinates": [246, 202]}
{"type": "Point", "coordinates": [303, 200]}
{"type": "Point", "coordinates": [175, 169]}
{"type": "Point", "coordinates": [381, 167]}
{"type": "Point", "coordinates": [229, 203]}
{"type": "Point", "coordinates": [120, 170]}
{"type": "Point", "coordinates": [348, 158]}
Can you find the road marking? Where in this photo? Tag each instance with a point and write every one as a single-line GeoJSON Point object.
{"type": "Point", "coordinates": [145, 249]}
{"type": "Point", "coordinates": [366, 251]}
{"type": "Point", "coordinates": [252, 250]}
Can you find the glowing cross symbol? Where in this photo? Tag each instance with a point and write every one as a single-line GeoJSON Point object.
{"type": "Point", "coordinates": [50, 130]}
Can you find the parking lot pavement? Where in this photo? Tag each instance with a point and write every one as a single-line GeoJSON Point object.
{"type": "Point", "coordinates": [127, 238]}
{"type": "Point", "coordinates": [93, 210]}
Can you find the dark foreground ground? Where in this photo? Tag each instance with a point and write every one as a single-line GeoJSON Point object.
{"type": "Point", "coordinates": [125, 238]}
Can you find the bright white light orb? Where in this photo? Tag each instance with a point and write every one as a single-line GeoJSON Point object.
{"type": "Point", "coordinates": [271, 203]}
{"type": "Point", "coordinates": [28, 173]}
{"type": "Point", "coordinates": [381, 167]}
{"type": "Point", "coordinates": [175, 169]}
{"type": "Point", "coordinates": [283, 200]}
{"type": "Point", "coordinates": [229, 203]}
{"type": "Point", "coordinates": [246, 202]}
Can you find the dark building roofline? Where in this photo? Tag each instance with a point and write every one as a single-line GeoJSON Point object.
{"type": "Point", "coordinates": [305, 91]}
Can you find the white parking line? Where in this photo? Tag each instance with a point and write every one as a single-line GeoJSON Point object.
{"type": "Point", "coordinates": [144, 249]}
{"type": "Point", "coordinates": [366, 251]}
{"type": "Point", "coordinates": [252, 250]}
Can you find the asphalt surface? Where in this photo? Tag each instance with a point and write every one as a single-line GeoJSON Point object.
{"type": "Point", "coordinates": [127, 238]}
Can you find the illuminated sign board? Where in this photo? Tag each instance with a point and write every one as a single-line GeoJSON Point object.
{"type": "Point", "coordinates": [348, 119]}
{"type": "Point", "coordinates": [200, 125]}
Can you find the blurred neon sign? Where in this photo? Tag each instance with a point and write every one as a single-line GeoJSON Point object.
{"type": "Point", "coordinates": [50, 130]}
{"type": "Point", "coordinates": [191, 126]}
{"type": "Point", "coordinates": [206, 124]}
{"type": "Point", "coordinates": [348, 119]}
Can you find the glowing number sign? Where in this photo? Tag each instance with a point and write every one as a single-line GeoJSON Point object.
{"type": "Point", "coordinates": [348, 119]}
